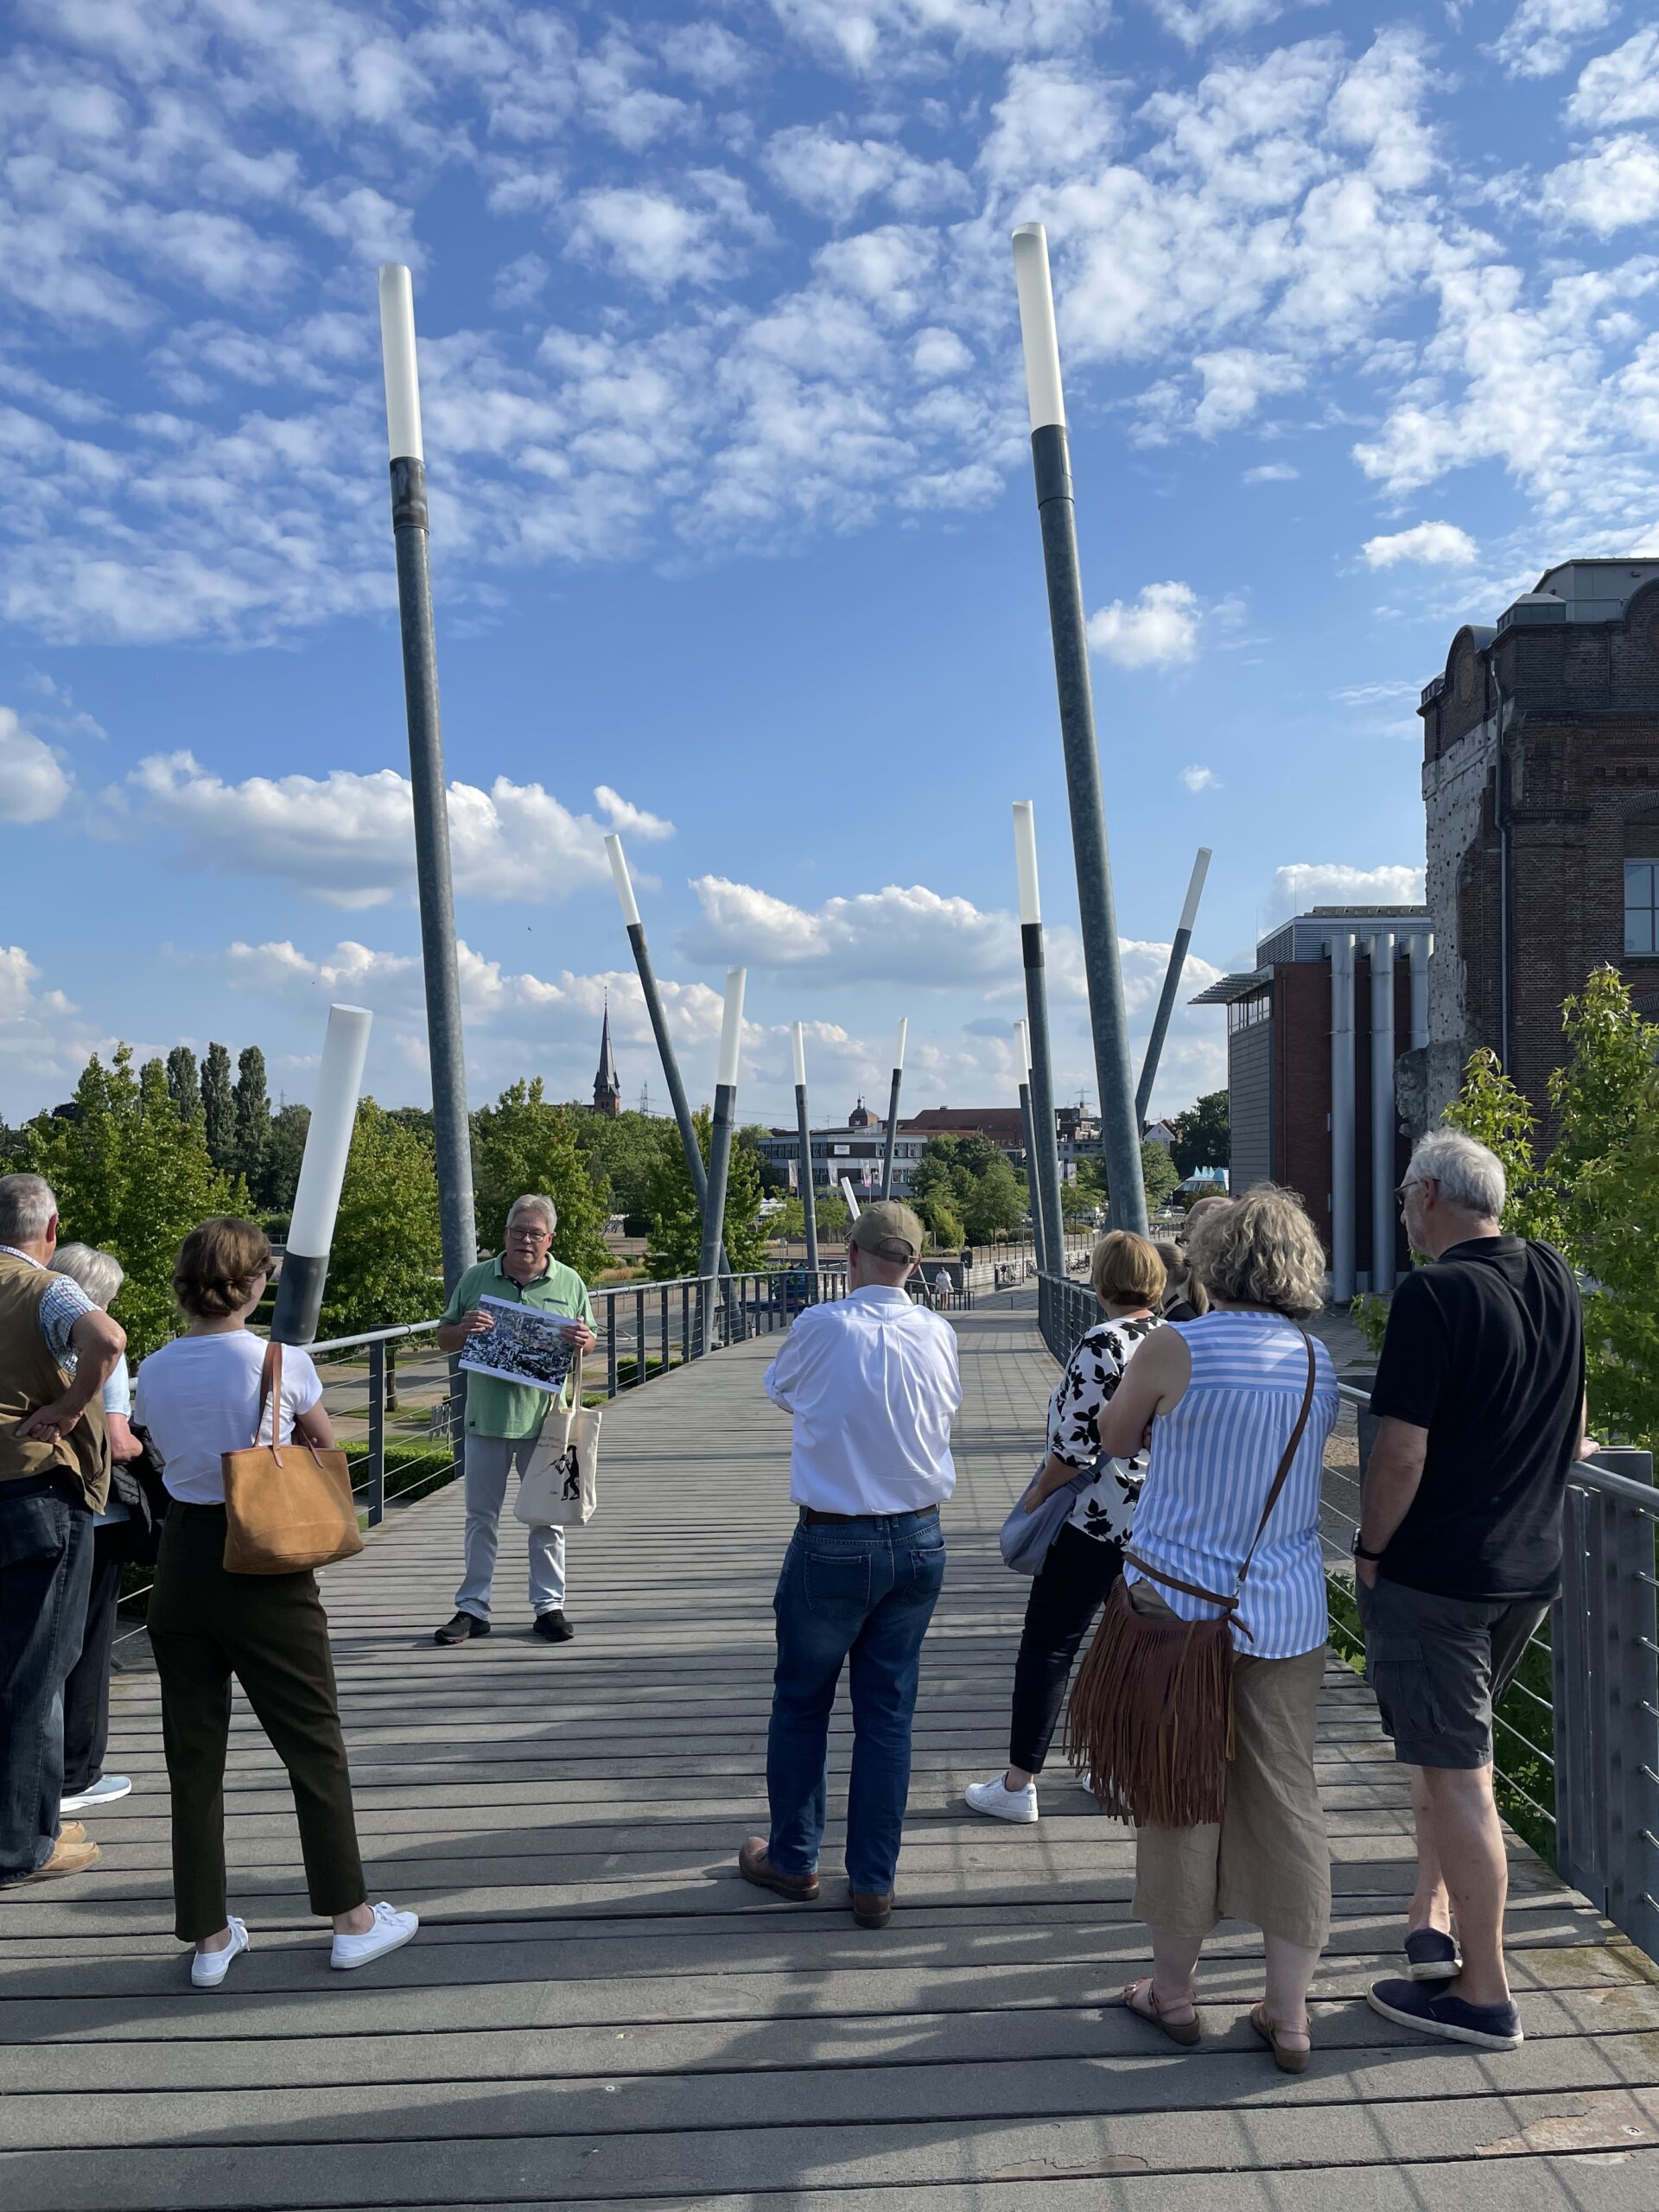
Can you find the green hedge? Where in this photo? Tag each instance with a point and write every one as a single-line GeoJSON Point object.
{"type": "Point", "coordinates": [424, 1467]}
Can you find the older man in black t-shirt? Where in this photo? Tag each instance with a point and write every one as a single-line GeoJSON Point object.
{"type": "Point", "coordinates": [1479, 1395]}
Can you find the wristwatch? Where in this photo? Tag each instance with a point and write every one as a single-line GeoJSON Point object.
{"type": "Point", "coordinates": [1360, 1551]}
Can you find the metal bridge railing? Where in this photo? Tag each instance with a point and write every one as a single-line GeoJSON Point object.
{"type": "Point", "coordinates": [1577, 1735]}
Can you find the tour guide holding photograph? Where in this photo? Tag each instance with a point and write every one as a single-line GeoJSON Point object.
{"type": "Point", "coordinates": [504, 1420]}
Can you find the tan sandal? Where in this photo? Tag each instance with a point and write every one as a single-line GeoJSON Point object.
{"type": "Point", "coordinates": [1185, 2032]}
{"type": "Point", "coordinates": [1286, 2057]}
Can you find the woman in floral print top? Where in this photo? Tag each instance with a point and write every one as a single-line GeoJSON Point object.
{"type": "Point", "coordinates": [1087, 1556]}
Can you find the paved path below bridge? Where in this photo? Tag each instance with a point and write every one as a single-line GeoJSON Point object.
{"type": "Point", "coordinates": [598, 2012]}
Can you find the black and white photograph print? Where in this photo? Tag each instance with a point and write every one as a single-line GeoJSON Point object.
{"type": "Point", "coordinates": [524, 1345]}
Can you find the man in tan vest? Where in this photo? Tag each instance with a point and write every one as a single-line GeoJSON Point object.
{"type": "Point", "coordinates": [57, 1350]}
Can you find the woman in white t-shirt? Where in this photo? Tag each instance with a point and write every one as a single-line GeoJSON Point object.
{"type": "Point", "coordinates": [199, 1397]}
{"type": "Point", "coordinates": [1086, 1557]}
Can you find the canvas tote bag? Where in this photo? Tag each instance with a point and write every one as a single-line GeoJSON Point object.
{"type": "Point", "coordinates": [560, 1487]}
{"type": "Point", "coordinates": [1151, 1715]}
{"type": "Point", "coordinates": [288, 1507]}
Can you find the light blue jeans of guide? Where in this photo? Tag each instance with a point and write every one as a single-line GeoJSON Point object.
{"type": "Point", "coordinates": [858, 1593]}
{"type": "Point", "coordinates": [489, 1461]}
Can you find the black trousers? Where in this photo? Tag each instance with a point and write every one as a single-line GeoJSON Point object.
{"type": "Point", "coordinates": [1069, 1589]}
{"type": "Point", "coordinates": [86, 1693]}
{"type": "Point", "coordinates": [270, 1633]}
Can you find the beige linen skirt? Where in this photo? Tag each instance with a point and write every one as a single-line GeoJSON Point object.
{"type": "Point", "coordinates": [1268, 1859]}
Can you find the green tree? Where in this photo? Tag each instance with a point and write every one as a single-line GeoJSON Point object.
{"type": "Point", "coordinates": [285, 1149]}
{"type": "Point", "coordinates": [183, 1083]}
{"type": "Point", "coordinates": [621, 1153]}
{"type": "Point", "coordinates": [1161, 1175]}
{"type": "Point", "coordinates": [1491, 1110]}
{"type": "Point", "coordinates": [386, 1264]}
{"type": "Point", "coordinates": [751, 1137]}
{"type": "Point", "coordinates": [1202, 1136]}
{"type": "Point", "coordinates": [1614, 1214]}
{"type": "Point", "coordinates": [675, 1223]}
{"type": "Point", "coordinates": [218, 1107]}
{"type": "Point", "coordinates": [132, 1179]}
{"type": "Point", "coordinates": [251, 1101]}
{"type": "Point", "coordinates": [830, 1213]}
{"type": "Point", "coordinates": [994, 1204]}
{"type": "Point", "coordinates": [521, 1143]}
{"type": "Point", "coordinates": [937, 1209]}
{"type": "Point", "coordinates": [1601, 1094]}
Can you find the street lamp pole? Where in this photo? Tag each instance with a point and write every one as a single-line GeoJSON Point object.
{"type": "Point", "coordinates": [1021, 1040]}
{"type": "Point", "coordinates": [1178, 952]}
{"type": "Point", "coordinates": [803, 1121]}
{"type": "Point", "coordinates": [452, 1131]}
{"type": "Point", "coordinates": [719, 1145]}
{"type": "Point", "coordinates": [1046, 1152]}
{"type": "Point", "coordinates": [893, 1107]}
{"type": "Point", "coordinates": [1120, 1130]}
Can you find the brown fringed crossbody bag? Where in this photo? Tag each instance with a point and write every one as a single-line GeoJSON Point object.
{"type": "Point", "coordinates": [1151, 1715]}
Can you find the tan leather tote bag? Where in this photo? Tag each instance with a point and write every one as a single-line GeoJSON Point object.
{"type": "Point", "coordinates": [288, 1507]}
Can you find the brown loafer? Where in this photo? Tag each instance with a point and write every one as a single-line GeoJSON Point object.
{"type": "Point", "coordinates": [72, 1832]}
{"type": "Point", "coordinates": [754, 1866]}
{"type": "Point", "coordinates": [67, 1859]}
{"type": "Point", "coordinates": [870, 1910]}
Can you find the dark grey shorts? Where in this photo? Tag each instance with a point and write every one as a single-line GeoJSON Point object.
{"type": "Point", "coordinates": [1439, 1665]}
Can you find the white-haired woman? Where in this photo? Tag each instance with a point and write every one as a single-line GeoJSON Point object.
{"type": "Point", "coordinates": [86, 1692]}
{"type": "Point", "coordinates": [1224, 1395]}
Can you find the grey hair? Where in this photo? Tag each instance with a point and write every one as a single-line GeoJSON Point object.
{"type": "Point", "coordinates": [1469, 1175]}
{"type": "Point", "coordinates": [101, 1275]}
{"type": "Point", "coordinates": [26, 1206]}
{"type": "Point", "coordinates": [534, 1202]}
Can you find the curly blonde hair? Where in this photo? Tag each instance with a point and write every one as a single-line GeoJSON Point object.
{"type": "Point", "coordinates": [1262, 1249]}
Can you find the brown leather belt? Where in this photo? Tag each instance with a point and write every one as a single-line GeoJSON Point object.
{"type": "Point", "coordinates": [815, 1519]}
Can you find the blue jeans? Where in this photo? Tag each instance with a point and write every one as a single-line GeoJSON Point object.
{"type": "Point", "coordinates": [861, 1592]}
{"type": "Point", "coordinates": [46, 1565]}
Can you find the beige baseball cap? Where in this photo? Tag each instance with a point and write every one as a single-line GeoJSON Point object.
{"type": "Point", "coordinates": [888, 1230]}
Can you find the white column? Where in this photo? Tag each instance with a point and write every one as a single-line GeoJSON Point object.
{"type": "Point", "coordinates": [1382, 1113]}
{"type": "Point", "coordinates": [1342, 1118]}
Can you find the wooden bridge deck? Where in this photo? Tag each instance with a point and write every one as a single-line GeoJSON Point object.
{"type": "Point", "coordinates": [597, 2012]}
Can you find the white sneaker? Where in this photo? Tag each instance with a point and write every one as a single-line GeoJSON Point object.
{"type": "Point", "coordinates": [209, 1968]}
{"type": "Point", "coordinates": [391, 1930]}
{"type": "Point", "coordinates": [104, 1792]}
{"type": "Point", "coordinates": [1000, 1802]}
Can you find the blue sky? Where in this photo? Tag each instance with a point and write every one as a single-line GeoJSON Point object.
{"type": "Point", "coordinates": [733, 534]}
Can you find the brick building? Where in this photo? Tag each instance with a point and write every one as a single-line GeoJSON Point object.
{"type": "Point", "coordinates": [1541, 786]}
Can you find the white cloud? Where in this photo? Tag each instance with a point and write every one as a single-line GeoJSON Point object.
{"type": "Point", "coordinates": [860, 35]}
{"type": "Point", "coordinates": [1200, 779]}
{"type": "Point", "coordinates": [1158, 630]}
{"type": "Point", "coordinates": [1272, 471]}
{"type": "Point", "coordinates": [1620, 87]}
{"type": "Point", "coordinates": [1434, 544]}
{"type": "Point", "coordinates": [1539, 38]}
{"type": "Point", "coordinates": [935, 353]}
{"type": "Point", "coordinates": [660, 241]}
{"type": "Point", "coordinates": [1302, 884]}
{"type": "Point", "coordinates": [1194, 20]}
{"type": "Point", "coordinates": [44, 1043]}
{"type": "Point", "coordinates": [1236, 381]}
{"type": "Point", "coordinates": [899, 934]}
{"type": "Point", "coordinates": [347, 839]}
{"type": "Point", "coordinates": [1614, 187]}
{"type": "Point", "coordinates": [33, 786]}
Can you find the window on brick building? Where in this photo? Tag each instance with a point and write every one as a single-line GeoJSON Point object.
{"type": "Point", "coordinates": [1642, 905]}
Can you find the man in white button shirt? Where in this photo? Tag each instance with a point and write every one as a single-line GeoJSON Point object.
{"type": "Point", "coordinates": [873, 1385]}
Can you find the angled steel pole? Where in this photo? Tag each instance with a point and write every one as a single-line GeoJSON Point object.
{"type": "Point", "coordinates": [1119, 1129]}
{"type": "Point", "coordinates": [451, 1129]}
{"type": "Point", "coordinates": [1020, 1041]}
{"type": "Point", "coordinates": [809, 1196]}
{"type": "Point", "coordinates": [653, 997]}
{"type": "Point", "coordinates": [1046, 1154]}
{"type": "Point", "coordinates": [719, 1145]}
{"type": "Point", "coordinates": [892, 1108]}
{"type": "Point", "coordinates": [1178, 952]}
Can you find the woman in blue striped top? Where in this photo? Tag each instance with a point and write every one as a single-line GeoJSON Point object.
{"type": "Point", "coordinates": [1222, 1394]}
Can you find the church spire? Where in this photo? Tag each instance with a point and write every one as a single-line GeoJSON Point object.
{"type": "Point", "coordinates": [608, 1088]}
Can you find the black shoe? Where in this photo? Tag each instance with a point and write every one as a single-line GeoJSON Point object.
{"type": "Point", "coordinates": [554, 1626]}
{"type": "Point", "coordinates": [460, 1629]}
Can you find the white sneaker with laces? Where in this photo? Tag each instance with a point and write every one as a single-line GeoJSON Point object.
{"type": "Point", "coordinates": [1002, 1803]}
{"type": "Point", "coordinates": [209, 1968]}
{"type": "Point", "coordinates": [391, 1930]}
{"type": "Point", "coordinates": [104, 1792]}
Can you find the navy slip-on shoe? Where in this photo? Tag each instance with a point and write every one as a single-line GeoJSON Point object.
{"type": "Point", "coordinates": [1432, 1955]}
{"type": "Point", "coordinates": [1433, 2013]}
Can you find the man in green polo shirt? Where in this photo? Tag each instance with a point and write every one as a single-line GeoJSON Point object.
{"type": "Point", "coordinates": [504, 1419]}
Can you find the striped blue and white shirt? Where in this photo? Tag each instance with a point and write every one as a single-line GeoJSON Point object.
{"type": "Point", "coordinates": [1214, 1457]}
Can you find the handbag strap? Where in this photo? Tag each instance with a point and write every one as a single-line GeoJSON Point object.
{"type": "Point", "coordinates": [270, 1394]}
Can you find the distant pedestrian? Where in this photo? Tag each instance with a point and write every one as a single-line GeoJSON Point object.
{"type": "Point", "coordinates": [504, 1420]}
{"type": "Point", "coordinates": [872, 1382]}
{"type": "Point", "coordinates": [199, 1397]}
{"type": "Point", "coordinates": [942, 1289]}
{"type": "Point", "coordinates": [1086, 1556]}
{"type": "Point", "coordinates": [1479, 1395]}
{"type": "Point", "coordinates": [1234, 1399]}
{"type": "Point", "coordinates": [57, 1350]}
{"type": "Point", "coordinates": [1185, 1298]}
{"type": "Point", "coordinates": [86, 1693]}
